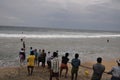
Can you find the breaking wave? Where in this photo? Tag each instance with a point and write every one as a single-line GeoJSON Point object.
{"type": "Point", "coordinates": [58, 35]}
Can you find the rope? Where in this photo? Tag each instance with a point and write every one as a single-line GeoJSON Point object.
{"type": "Point", "coordinates": [88, 67]}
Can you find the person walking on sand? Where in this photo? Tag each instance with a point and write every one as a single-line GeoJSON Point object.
{"type": "Point", "coordinates": [30, 65]}
{"type": "Point", "coordinates": [75, 66]}
{"type": "Point", "coordinates": [98, 70]}
{"type": "Point", "coordinates": [54, 71]}
{"type": "Point", "coordinates": [64, 62]}
{"type": "Point", "coordinates": [115, 71]}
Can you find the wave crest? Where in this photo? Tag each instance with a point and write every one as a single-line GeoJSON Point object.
{"type": "Point", "coordinates": [58, 36]}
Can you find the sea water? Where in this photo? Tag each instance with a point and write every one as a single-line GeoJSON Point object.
{"type": "Point", "coordinates": [88, 44]}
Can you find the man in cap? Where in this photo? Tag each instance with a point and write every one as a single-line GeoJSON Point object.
{"type": "Point", "coordinates": [115, 71]}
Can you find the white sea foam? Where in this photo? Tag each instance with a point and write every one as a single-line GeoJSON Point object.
{"type": "Point", "coordinates": [59, 35]}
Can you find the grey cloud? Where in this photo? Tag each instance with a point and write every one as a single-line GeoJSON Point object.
{"type": "Point", "coordinates": [63, 13]}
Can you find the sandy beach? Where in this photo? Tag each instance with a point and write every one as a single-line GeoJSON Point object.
{"type": "Point", "coordinates": [88, 49]}
{"type": "Point", "coordinates": [18, 73]}
{"type": "Point", "coordinates": [30, 28]}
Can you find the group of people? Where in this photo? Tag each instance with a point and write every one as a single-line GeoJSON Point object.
{"type": "Point", "coordinates": [98, 70]}
{"type": "Point", "coordinates": [39, 56]}
{"type": "Point", "coordinates": [53, 63]}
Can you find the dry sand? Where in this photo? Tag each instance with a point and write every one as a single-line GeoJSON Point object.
{"type": "Point", "coordinates": [20, 73]}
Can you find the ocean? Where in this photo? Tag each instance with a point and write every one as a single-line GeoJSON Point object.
{"type": "Point", "coordinates": [88, 44]}
{"type": "Point", "coordinates": [30, 32]}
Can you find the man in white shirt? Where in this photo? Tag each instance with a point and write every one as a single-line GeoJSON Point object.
{"type": "Point", "coordinates": [54, 72]}
{"type": "Point", "coordinates": [49, 60]}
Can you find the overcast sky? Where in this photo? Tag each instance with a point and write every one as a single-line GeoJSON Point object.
{"type": "Point", "coordinates": [78, 14]}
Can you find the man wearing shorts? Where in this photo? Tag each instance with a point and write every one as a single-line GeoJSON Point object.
{"type": "Point", "coordinates": [30, 60]}
{"type": "Point", "coordinates": [65, 60]}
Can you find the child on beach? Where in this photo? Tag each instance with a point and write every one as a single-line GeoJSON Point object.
{"type": "Point", "coordinates": [30, 60]}
{"type": "Point", "coordinates": [54, 72]}
{"type": "Point", "coordinates": [75, 66]}
{"type": "Point", "coordinates": [98, 69]}
{"type": "Point", "coordinates": [65, 60]}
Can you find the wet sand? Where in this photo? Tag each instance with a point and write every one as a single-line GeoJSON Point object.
{"type": "Point", "coordinates": [88, 49]}
{"type": "Point", "coordinates": [18, 73]}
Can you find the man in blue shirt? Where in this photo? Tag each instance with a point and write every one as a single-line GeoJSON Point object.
{"type": "Point", "coordinates": [75, 66]}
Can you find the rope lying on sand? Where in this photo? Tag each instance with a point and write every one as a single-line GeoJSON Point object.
{"type": "Point", "coordinates": [85, 67]}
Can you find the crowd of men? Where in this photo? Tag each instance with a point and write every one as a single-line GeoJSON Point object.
{"type": "Point", "coordinates": [53, 62]}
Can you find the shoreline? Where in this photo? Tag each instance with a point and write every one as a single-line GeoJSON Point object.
{"type": "Point", "coordinates": [88, 49]}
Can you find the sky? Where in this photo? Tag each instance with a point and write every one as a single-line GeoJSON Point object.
{"type": "Point", "coordinates": [71, 14]}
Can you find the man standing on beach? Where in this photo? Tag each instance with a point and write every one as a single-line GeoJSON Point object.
{"type": "Point", "coordinates": [64, 65]}
{"type": "Point", "coordinates": [54, 72]}
{"type": "Point", "coordinates": [31, 60]}
{"type": "Point", "coordinates": [39, 57]}
{"type": "Point", "coordinates": [115, 71]}
{"type": "Point", "coordinates": [22, 56]}
{"type": "Point", "coordinates": [98, 69]}
{"type": "Point", "coordinates": [43, 58]}
{"type": "Point", "coordinates": [31, 49]}
{"type": "Point", "coordinates": [49, 60]}
{"type": "Point", "coordinates": [36, 56]}
{"type": "Point", "coordinates": [23, 43]}
{"type": "Point", "coordinates": [75, 66]}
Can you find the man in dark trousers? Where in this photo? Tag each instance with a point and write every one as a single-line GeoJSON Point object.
{"type": "Point", "coordinates": [75, 66]}
{"type": "Point", "coordinates": [64, 65]}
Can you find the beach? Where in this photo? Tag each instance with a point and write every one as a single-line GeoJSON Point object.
{"type": "Point", "coordinates": [89, 46]}
{"type": "Point", "coordinates": [88, 49]}
{"type": "Point", "coordinates": [80, 33]}
{"type": "Point", "coordinates": [40, 73]}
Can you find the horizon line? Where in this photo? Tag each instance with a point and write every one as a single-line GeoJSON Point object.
{"type": "Point", "coordinates": [66, 29]}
